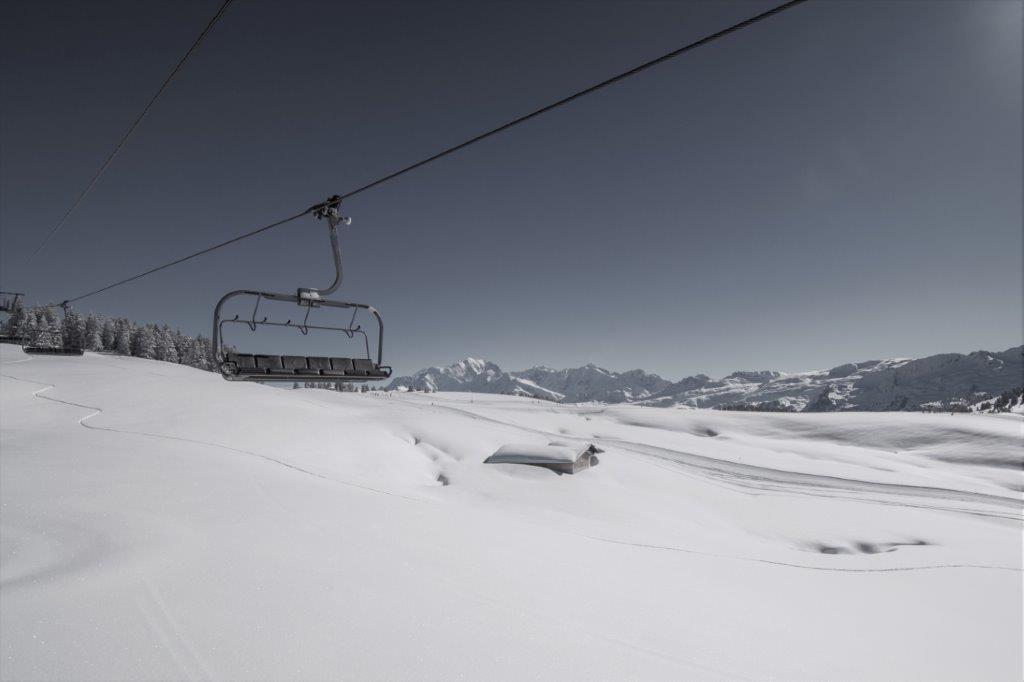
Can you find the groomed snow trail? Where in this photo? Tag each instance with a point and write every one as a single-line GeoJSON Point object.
{"type": "Point", "coordinates": [160, 523]}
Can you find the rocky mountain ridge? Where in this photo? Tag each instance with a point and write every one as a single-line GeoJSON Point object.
{"type": "Point", "coordinates": [873, 385]}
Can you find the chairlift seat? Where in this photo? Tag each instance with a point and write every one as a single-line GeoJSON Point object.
{"type": "Point", "coordinates": [268, 362]}
{"type": "Point", "coordinates": [369, 368]}
{"type": "Point", "coordinates": [49, 350]}
{"type": "Point", "coordinates": [317, 365]}
{"type": "Point", "coordinates": [361, 367]}
{"type": "Point", "coordinates": [302, 366]}
{"type": "Point", "coordinates": [342, 365]}
{"type": "Point", "coordinates": [339, 367]}
{"type": "Point", "coordinates": [290, 364]}
{"type": "Point", "coordinates": [243, 361]}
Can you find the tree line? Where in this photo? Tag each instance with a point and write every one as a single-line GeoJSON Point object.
{"type": "Point", "coordinates": [340, 386]}
{"type": "Point", "coordinates": [764, 406]}
{"type": "Point", "coordinates": [1004, 401]}
{"type": "Point", "coordinates": [42, 326]}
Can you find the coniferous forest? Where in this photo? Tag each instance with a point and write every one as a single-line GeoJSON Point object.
{"type": "Point", "coordinates": [45, 327]}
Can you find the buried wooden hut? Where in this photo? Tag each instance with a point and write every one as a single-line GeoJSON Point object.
{"type": "Point", "coordinates": [562, 458]}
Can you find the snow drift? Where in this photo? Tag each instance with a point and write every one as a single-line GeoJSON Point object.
{"type": "Point", "coordinates": [161, 523]}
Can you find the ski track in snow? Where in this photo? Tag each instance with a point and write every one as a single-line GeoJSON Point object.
{"type": "Point", "coordinates": [171, 636]}
{"type": "Point", "coordinates": [97, 411]}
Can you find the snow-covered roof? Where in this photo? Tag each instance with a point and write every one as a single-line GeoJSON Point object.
{"type": "Point", "coordinates": [530, 453]}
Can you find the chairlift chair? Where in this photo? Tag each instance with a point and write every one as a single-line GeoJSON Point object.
{"type": "Point", "coordinates": [9, 302]}
{"type": "Point", "coordinates": [36, 342]}
{"type": "Point", "coordinates": [237, 366]}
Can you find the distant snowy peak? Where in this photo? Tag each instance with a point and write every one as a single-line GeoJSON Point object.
{"type": "Point", "coordinates": [875, 385]}
{"type": "Point", "coordinates": [593, 383]}
{"type": "Point", "coordinates": [472, 375]}
{"type": "Point", "coordinates": [475, 367]}
{"type": "Point", "coordinates": [754, 377]}
{"type": "Point", "coordinates": [470, 369]}
{"type": "Point", "coordinates": [580, 384]}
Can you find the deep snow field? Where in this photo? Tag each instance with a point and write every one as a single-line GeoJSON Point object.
{"type": "Point", "coordinates": [157, 522]}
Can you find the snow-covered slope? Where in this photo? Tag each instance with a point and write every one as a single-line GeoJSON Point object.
{"type": "Point", "coordinates": [160, 523]}
{"type": "Point", "coordinates": [874, 385]}
{"type": "Point", "coordinates": [938, 377]}
{"type": "Point", "coordinates": [816, 391]}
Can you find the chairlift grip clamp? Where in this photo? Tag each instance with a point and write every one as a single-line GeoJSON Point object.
{"type": "Point", "coordinates": [329, 210]}
{"type": "Point", "coordinates": [309, 297]}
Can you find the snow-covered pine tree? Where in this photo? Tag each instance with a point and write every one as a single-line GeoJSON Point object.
{"type": "Point", "coordinates": [49, 328]}
{"type": "Point", "coordinates": [30, 326]}
{"type": "Point", "coordinates": [165, 350]}
{"type": "Point", "coordinates": [187, 355]}
{"type": "Point", "coordinates": [109, 335]}
{"type": "Point", "coordinates": [160, 345]}
{"type": "Point", "coordinates": [203, 353]}
{"type": "Point", "coordinates": [172, 347]}
{"type": "Point", "coordinates": [93, 332]}
{"type": "Point", "coordinates": [182, 345]}
{"type": "Point", "coordinates": [72, 329]}
{"type": "Point", "coordinates": [48, 318]}
{"type": "Point", "coordinates": [123, 337]}
{"type": "Point", "coordinates": [144, 343]}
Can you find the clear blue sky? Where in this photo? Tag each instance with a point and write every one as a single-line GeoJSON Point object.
{"type": "Point", "coordinates": [841, 182]}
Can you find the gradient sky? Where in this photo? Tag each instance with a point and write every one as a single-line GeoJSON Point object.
{"type": "Point", "coordinates": [839, 183]}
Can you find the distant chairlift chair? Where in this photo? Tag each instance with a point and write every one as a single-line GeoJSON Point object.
{"type": "Point", "coordinates": [235, 366]}
{"type": "Point", "coordinates": [9, 304]}
{"type": "Point", "coordinates": [9, 301]}
{"type": "Point", "coordinates": [50, 341]}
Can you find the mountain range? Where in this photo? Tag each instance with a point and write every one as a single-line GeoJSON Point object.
{"type": "Point", "coordinates": [874, 385]}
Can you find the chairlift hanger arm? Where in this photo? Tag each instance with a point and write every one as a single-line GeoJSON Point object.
{"type": "Point", "coordinates": [329, 210]}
